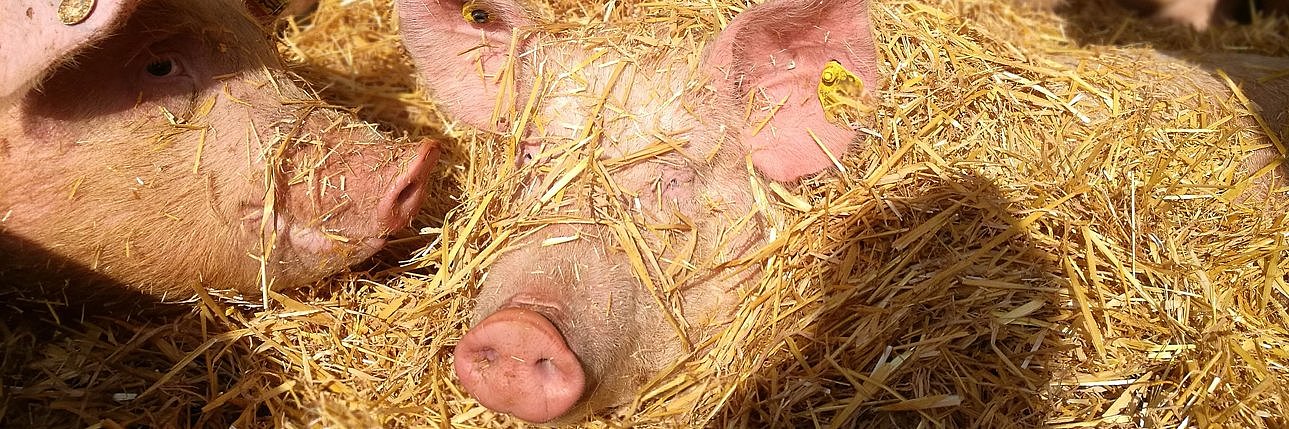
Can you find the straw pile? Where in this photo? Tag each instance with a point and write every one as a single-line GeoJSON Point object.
{"type": "Point", "coordinates": [1022, 243]}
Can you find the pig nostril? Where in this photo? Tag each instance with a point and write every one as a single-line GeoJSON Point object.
{"type": "Point", "coordinates": [408, 193]}
{"type": "Point", "coordinates": [404, 196]}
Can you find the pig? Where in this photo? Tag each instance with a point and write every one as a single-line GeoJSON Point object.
{"type": "Point", "coordinates": [563, 325]}
{"type": "Point", "coordinates": [155, 146]}
{"type": "Point", "coordinates": [1196, 14]}
{"type": "Point", "coordinates": [1201, 14]}
{"type": "Point", "coordinates": [566, 323]}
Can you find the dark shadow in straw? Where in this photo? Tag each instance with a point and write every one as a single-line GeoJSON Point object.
{"type": "Point", "coordinates": [939, 302]}
{"type": "Point", "coordinates": [77, 349]}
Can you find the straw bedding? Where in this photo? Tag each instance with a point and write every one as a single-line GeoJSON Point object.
{"type": "Point", "coordinates": [1037, 232]}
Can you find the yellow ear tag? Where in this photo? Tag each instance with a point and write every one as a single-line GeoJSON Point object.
{"type": "Point", "coordinates": [841, 94]}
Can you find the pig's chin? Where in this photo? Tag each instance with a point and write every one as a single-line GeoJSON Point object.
{"type": "Point", "coordinates": [328, 252]}
{"type": "Point", "coordinates": [313, 241]}
{"type": "Point", "coordinates": [323, 252]}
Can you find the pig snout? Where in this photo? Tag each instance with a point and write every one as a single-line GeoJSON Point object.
{"type": "Point", "coordinates": [340, 194]}
{"type": "Point", "coordinates": [516, 361]}
{"type": "Point", "coordinates": [403, 198]}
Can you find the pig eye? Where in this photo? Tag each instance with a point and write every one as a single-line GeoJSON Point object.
{"type": "Point", "coordinates": [164, 67]}
{"type": "Point", "coordinates": [476, 13]}
{"type": "Point", "coordinates": [527, 153]}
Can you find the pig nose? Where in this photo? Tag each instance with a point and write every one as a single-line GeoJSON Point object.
{"type": "Point", "coordinates": [403, 198]}
{"type": "Point", "coordinates": [516, 362]}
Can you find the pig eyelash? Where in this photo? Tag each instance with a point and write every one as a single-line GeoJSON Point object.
{"type": "Point", "coordinates": [159, 54]}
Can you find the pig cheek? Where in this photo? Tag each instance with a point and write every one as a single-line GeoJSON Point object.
{"type": "Point", "coordinates": [266, 226]}
{"type": "Point", "coordinates": [657, 198]}
{"type": "Point", "coordinates": [297, 219]}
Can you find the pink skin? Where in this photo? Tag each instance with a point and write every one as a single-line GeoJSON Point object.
{"type": "Point", "coordinates": [1196, 13]}
{"type": "Point", "coordinates": [581, 300]}
{"type": "Point", "coordinates": [162, 131]}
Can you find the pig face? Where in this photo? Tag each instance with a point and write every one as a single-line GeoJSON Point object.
{"type": "Point", "coordinates": [633, 209]}
{"type": "Point", "coordinates": [161, 145]}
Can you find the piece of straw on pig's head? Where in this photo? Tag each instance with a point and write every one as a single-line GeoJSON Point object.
{"type": "Point", "coordinates": [633, 215]}
{"type": "Point", "coordinates": [161, 145]}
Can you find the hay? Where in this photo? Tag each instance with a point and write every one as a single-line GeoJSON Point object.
{"type": "Point", "coordinates": [1029, 239]}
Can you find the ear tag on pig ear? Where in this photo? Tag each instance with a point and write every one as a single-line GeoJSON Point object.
{"type": "Point", "coordinates": [72, 12]}
{"type": "Point", "coordinates": [841, 94]}
{"type": "Point", "coordinates": [472, 11]}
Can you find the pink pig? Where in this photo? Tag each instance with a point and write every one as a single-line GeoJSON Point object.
{"type": "Point", "coordinates": [1200, 14]}
{"type": "Point", "coordinates": [160, 145]}
{"type": "Point", "coordinates": [563, 330]}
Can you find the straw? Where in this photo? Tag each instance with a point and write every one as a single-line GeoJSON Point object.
{"type": "Point", "coordinates": [1041, 228]}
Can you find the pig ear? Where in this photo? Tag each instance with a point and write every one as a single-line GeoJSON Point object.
{"type": "Point", "coordinates": [779, 49]}
{"type": "Point", "coordinates": [461, 48]}
{"type": "Point", "coordinates": [42, 34]}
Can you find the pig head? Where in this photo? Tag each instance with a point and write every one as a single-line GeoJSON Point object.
{"type": "Point", "coordinates": [161, 145]}
{"type": "Point", "coordinates": [633, 205]}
